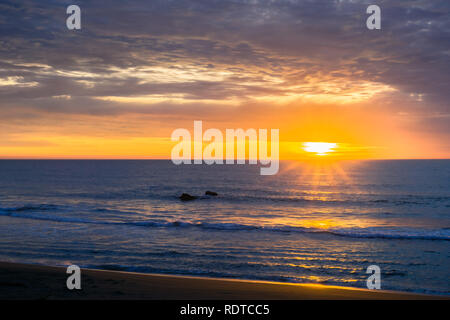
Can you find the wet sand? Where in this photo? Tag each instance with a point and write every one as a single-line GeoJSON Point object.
{"type": "Point", "coordinates": [23, 281]}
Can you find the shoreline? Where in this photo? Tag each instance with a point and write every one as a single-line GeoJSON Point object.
{"type": "Point", "coordinates": [20, 281]}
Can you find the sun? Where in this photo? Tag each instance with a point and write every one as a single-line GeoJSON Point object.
{"type": "Point", "coordinates": [319, 148]}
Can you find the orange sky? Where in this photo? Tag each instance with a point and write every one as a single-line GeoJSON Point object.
{"type": "Point", "coordinates": [360, 131]}
{"type": "Point", "coordinates": [314, 72]}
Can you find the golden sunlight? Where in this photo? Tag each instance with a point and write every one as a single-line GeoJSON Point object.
{"type": "Point", "coordinates": [319, 148]}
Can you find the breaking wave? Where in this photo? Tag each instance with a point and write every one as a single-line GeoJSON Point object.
{"type": "Point", "coordinates": [39, 213]}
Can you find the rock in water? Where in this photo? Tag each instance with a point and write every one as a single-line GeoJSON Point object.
{"type": "Point", "coordinates": [211, 193]}
{"type": "Point", "coordinates": [187, 197]}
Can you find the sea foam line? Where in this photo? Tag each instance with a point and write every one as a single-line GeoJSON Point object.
{"type": "Point", "coordinates": [369, 232]}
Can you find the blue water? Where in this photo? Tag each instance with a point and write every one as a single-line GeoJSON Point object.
{"type": "Point", "coordinates": [322, 223]}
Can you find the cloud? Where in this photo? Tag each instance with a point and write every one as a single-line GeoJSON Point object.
{"type": "Point", "coordinates": [180, 58]}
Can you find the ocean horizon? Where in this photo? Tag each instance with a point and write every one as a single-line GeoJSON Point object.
{"type": "Point", "coordinates": [307, 224]}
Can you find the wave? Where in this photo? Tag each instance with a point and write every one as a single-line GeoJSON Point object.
{"type": "Point", "coordinates": [327, 199]}
{"type": "Point", "coordinates": [394, 233]}
{"type": "Point", "coordinates": [369, 232]}
{"type": "Point", "coordinates": [39, 207]}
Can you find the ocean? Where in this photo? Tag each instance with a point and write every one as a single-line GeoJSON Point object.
{"type": "Point", "coordinates": [321, 223]}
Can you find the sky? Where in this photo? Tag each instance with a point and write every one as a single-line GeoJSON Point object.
{"type": "Point", "coordinates": [138, 70]}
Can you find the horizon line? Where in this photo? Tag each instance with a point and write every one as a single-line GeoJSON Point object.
{"type": "Point", "coordinates": [168, 159]}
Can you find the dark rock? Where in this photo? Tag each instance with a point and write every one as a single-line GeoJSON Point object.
{"type": "Point", "coordinates": [187, 197]}
{"type": "Point", "coordinates": [211, 193]}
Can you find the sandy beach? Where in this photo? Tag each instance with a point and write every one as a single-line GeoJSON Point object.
{"type": "Point", "coordinates": [22, 281]}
